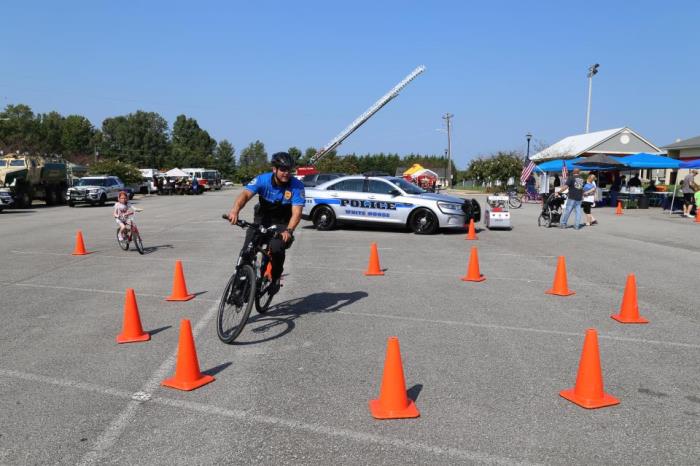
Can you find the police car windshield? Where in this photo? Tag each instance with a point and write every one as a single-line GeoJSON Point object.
{"type": "Point", "coordinates": [410, 188]}
{"type": "Point", "coordinates": [91, 182]}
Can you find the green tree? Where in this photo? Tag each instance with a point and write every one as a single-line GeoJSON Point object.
{"type": "Point", "coordinates": [18, 129]}
{"type": "Point", "coordinates": [253, 160]}
{"type": "Point", "coordinates": [224, 158]}
{"type": "Point", "coordinates": [140, 139]}
{"type": "Point", "coordinates": [128, 173]}
{"type": "Point", "coordinates": [77, 137]}
{"type": "Point", "coordinates": [49, 127]}
{"type": "Point", "coordinates": [191, 145]}
{"type": "Point", "coordinates": [295, 153]}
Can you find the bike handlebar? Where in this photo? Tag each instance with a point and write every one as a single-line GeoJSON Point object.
{"type": "Point", "coordinates": [243, 224]}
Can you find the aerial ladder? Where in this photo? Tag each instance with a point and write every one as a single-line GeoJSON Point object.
{"type": "Point", "coordinates": [359, 121]}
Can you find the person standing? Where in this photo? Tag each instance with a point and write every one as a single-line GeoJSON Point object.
{"type": "Point", "coordinates": [574, 188]}
{"type": "Point", "coordinates": [589, 199]}
{"type": "Point", "coordinates": [688, 187]}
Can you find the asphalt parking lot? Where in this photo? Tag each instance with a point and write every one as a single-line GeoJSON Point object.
{"type": "Point", "coordinates": [484, 361]}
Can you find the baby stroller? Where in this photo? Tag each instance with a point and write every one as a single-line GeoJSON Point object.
{"type": "Point", "coordinates": [552, 210]}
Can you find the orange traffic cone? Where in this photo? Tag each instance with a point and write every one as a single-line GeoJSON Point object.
{"type": "Point", "coordinates": [187, 374]}
{"type": "Point", "coordinates": [618, 211]}
{"type": "Point", "coordinates": [473, 273]}
{"type": "Point", "coordinates": [588, 391]}
{"type": "Point", "coordinates": [132, 331]}
{"type": "Point", "coordinates": [560, 286]}
{"type": "Point", "coordinates": [373, 267]}
{"type": "Point", "coordinates": [79, 245]}
{"type": "Point", "coordinates": [393, 402]}
{"type": "Point", "coordinates": [629, 311]}
{"type": "Point", "coordinates": [179, 287]}
{"type": "Point", "coordinates": [471, 234]}
{"type": "Point", "coordinates": [697, 214]}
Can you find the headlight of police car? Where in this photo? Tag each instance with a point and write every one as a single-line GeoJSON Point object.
{"type": "Point", "coordinates": [95, 191]}
{"type": "Point", "coordinates": [450, 208]}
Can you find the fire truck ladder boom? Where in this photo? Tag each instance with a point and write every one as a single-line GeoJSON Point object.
{"type": "Point", "coordinates": [359, 121]}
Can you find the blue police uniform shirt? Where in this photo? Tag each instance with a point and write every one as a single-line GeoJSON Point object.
{"type": "Point", "coordinates": [276, 201]}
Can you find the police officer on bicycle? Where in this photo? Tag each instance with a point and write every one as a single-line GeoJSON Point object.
{"type": "Point", "coordinates": [281, 200]}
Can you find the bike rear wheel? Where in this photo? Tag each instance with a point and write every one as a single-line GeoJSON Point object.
{"type": "Point", "coordinates": [236, 304]}
{"type": "Point", "coordinates": [123, 243]}
{"type": "Point", "coordinates": [515, 202]}
{"type": "Point", "coordinates": [137, 241]}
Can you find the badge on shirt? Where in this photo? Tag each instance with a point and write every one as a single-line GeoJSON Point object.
{"type": "Point", "coordinates": [287, 195]}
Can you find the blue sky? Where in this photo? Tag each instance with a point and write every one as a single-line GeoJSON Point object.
{"type": "Point", "coordinates": [296, 73]}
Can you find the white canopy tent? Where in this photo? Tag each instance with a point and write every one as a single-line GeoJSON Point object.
{"type": "Point", "coordinates": [176, 173]}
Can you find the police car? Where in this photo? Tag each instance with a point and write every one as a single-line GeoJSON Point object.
{"type": "Point", "coordinates": [386, 199]}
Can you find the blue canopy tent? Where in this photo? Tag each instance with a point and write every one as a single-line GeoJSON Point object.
{"type": "Point", "coordinates": [644, 160]}
{"type": "Point", "coordinates": [691, 164]}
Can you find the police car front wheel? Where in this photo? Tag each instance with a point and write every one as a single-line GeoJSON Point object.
{"type": "Point", "coordinates": [324, 218]}
{"type": "Point", "coordinates": [423, 222]}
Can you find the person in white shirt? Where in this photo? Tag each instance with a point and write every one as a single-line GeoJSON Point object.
{"type": "Point", "coordinates": [122, 212]}
{"type": "Point", "coordinates": [589, 190]}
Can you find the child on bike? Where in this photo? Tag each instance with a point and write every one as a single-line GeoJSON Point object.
{"type": "Point", "coordinates": [122, 211]}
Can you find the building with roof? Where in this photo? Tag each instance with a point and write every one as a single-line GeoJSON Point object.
{"type": "Point", "coordinates": [684, 150]}
{"type": "Point", "coordinates": [617, 141]}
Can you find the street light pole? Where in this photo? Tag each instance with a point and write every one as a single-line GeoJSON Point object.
{"type": "Point", "coordinates": [528, 136]}
{"type": "Point", "coordinates": [592, 71]}
{"type": "Point", "coordinates": [447, 117]}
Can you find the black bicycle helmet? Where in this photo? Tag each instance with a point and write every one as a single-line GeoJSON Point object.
{"type": "Point", "coordinates": [282, 160]}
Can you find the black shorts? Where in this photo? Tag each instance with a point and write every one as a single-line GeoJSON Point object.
{"type": "Point", "coordinates": [688, 198]}
{"type": "Point", "coordinates": [586, 207]}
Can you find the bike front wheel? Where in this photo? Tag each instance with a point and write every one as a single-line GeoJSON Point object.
{"type": "Point", "coordinates": [236, 304]}
{"type": "Point", "coordinates": [515, 202]}
{"type": "Point", "coordinates": [124, 242]}
{"type": "Point", "coordinates": [137, 242]}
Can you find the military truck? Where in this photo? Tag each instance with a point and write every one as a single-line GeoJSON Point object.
{"type": "Point", "coordinates": [28, 177]}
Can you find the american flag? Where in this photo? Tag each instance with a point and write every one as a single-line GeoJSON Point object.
{"type": "Point", "coordinates": [564, 170]}
{"type": "Point", "coordinates": [527, 171]}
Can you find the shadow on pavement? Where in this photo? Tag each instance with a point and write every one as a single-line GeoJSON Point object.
{"type": "Point", "coordinates": [152, 249]}
{"type": "Point", "coordinates": [279, 319]}
{"type": "Point", "coordinates": [215, 370]}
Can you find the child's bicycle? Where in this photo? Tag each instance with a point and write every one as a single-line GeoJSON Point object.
{"type": "Point", "coordinates": [251, 282]}
{"type": "Point", "coordinates": [131, 234]}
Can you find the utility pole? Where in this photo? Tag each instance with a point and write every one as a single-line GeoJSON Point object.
{"type": "Point", "coordinates": [592, 71]}
{"type": "Point", "coordinates": [447, 117]}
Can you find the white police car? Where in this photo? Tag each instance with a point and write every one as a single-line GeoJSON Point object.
{"type": "Point", "coordinates": [386, 199]}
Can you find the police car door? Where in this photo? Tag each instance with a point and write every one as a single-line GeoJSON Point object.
{"type": "Point", "coordinates": [380, 205]}
{"type": "Point", "coordinates": [345, 198]}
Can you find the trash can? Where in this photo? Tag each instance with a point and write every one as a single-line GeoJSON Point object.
{"type": "Point", "coordinates": [643, 202]}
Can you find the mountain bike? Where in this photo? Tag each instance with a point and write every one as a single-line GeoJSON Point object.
{"type": "Point", "coordinates": [250, 283]}
{"type": "Point", "coordinates": [131, 234]}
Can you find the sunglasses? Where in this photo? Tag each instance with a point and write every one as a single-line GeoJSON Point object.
{"type": "Point", "coordinates": [283, 169]}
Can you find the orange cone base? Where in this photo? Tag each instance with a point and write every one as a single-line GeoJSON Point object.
{"type": "Point", "coordinates": [187, 297]}
{"type": "Point", "coordinates": [467, 279]}
{"type": "Point", "coordinates": [369, 274]}
{"type": "Point", "coordinates": [378, 412]}
{"type": "Point", "coordinates": [187, 386]}
{"type": "Point", "coordinates": [622, 320]}
{"type": "Point", "coordinates": [85, 253]}
{"type": "Point", "coordinates": [560, 293]}
{"type": "Point", "coordinates": [124, 339]}
{"type": "Point", "coordinates": [607, 400]}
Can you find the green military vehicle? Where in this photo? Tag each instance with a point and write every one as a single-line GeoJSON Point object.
{"type": "Point", "coordinates": [29, 177]}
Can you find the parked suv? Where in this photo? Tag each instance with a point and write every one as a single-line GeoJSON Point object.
{"type": "Point", "coordinates": [95, 190]}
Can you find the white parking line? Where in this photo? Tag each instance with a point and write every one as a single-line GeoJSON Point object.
{"type": "Point", "coordinates": [518, 329]}
{"type": "Point", "coordinates": [112, 434]}
{"type": "Point", "coordinates": [109, 437]}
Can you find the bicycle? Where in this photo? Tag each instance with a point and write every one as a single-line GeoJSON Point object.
{"type": "Point", "coordinates": [531, 197]}
{"type": "Point", "coordinates": [251, 282]}
{"type": "Point", "coordinates": [514, 200]}
{"type": "Point", "coordinates": [131, 234]}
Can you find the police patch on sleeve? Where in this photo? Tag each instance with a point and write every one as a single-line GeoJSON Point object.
{"type": "Point", "coordinates": [253, 181]}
